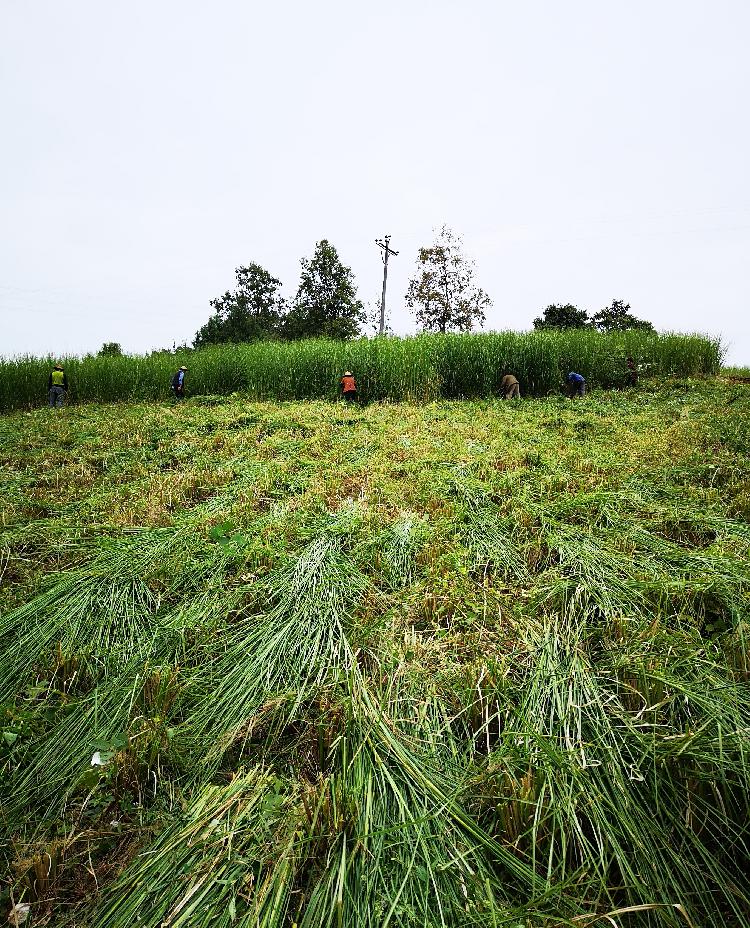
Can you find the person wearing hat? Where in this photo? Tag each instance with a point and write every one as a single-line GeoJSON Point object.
{"type": "Point", "coordinates": [57, 386]}
{"type": "Point", "coordinates": [349, 387]}
{"type": "Point", "coordinates": [178, 384]}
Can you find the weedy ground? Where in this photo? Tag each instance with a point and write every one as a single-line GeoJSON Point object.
{"type": "Point", "coordinates": [463, 663]}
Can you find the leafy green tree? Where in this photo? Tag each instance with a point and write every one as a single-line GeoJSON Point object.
{"type": "Point", "coordinates": [443, 294]}
{"type": "Point", "coordinates": [617, 318]}
{"type": "Point", "coordinates": [559, 316]}
{"type": "Point", "coordinates": [253, 311]}
{"type": "Point", "coordinates": [110, 349]}
{"type": "Point", "coordinates": [326, 303]}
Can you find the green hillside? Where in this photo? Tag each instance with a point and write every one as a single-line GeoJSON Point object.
{"type": "Point", "coordinates": [304, 664]}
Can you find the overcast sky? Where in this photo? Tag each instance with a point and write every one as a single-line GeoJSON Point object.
{"type": "Point", "coordinates": [586, 151]}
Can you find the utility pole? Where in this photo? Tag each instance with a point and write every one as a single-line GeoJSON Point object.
{"type": "Point", "coordinates": [383, 244]}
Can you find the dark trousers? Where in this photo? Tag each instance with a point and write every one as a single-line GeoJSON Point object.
{"type": "Point", "coordinates": [350, 395]}
{"type": "Point", "coordinates": [57, 396]}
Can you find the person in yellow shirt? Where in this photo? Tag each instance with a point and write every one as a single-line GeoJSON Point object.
{"type": "Point", "coordinates": [57, 386]}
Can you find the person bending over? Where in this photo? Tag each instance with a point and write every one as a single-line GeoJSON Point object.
{"type": "Point", "coordinates": [576, 384]}
{"type": "Point", "coordinates": [509, 388]}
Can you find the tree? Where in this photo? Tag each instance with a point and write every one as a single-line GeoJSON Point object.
{"type": "Point", "coordinates": [326, 304]}
{"type": "Point", "coordinates": [110, 349]}
{"type": "Point", "coordinates": [442, 293]}
{"type": "Point", "coordinates": [559, 316]}
{"type": "Point", "coordinates": [617, 318]}
{"type": "Point", "coordinates": [253, 311]}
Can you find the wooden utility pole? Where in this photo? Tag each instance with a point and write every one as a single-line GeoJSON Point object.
{"type": "Point", "coordinates": [383, 244]}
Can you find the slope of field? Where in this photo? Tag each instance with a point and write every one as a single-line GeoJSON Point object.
{"type": "Point", "coordinates": [464, 663]}
{"type": "Point", "coordinates": [425, 367]}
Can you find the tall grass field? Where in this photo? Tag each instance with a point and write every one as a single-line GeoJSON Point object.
{"type": "Point", "coordinates": [421, 368]}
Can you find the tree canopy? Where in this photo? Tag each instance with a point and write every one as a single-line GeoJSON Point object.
{"type": "Point", "coordinates": [326, 303]}
{"type": "Point", "coordinates": [110, 349]}
{"type": "Point", "coordinates": [613, 318]}
{"type": "Point", "coordinates": [443, 294]}
{"type": "Point", "coordinates": [617, 318]}
{"type": "Point", "coordinates": [562, 316]}
{"type": "Point", "coordinates": [253, 311]}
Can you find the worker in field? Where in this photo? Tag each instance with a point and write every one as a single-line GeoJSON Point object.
{"type": "Point", "coordinates": [632, 379]}
{"type": "Point", "coordinates": [178, 384]}
{"type": "Point", "coordinates": [510, 388]}
{"type": "Point", "coordinates": [576, 384]}
{"type": "Point", "coordinates": [57, 386]}
{"type": "Point", "coordinates": [349, 387]}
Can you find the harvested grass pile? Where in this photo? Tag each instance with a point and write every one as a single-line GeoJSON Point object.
{"type": "Point", "coordinates": [480, 695]}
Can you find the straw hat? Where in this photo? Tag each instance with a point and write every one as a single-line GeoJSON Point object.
{"type": "Point", "coordinates": [347, 373]}
{"type": "Point", "coordinates": [183, 368]}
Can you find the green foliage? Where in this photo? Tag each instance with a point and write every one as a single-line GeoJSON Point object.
{"type": "Point", "coordinates": [253, 311]}
{"type": "Point", "coordinates": [617, 318]}
{"type": "Point", "coordinates": [326, 304]}
{"type": "Point", "coordinates": [420, 368]}
{"type": "Point", "coordinates": [562, 316]}
{"type": "Point", "coordinates": [443, 293]}
{"type": "Point", "coordinates": [110, 349]}
{"type": "Point", "coordinates": [613, 318]}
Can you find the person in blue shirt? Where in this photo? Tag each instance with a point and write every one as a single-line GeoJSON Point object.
{"type": "Point", "coordinates": [178, 384]}
{"type": "Point", "coordinates": [576, 384]}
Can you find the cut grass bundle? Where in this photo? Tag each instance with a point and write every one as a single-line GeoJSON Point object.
{"type": "Point", "coordinates": [709, 584]}
{"type": "Point", "coordinates": [592, 577]}
{"type": "Point", "coordinates": [106, 613]}
{"type": "Point", "coordinates": [61, 763]}
{"type": "Point", "coordinates": [396, 550]}
{"type": "Point", "coordinates": [592, 791]}
{"type": "Point", "coordinates": [495, 543]}
{"type": "Point", "coordinates": [624, 570]}
{"type": "Point", "coordinates": [391, 844]}
{"type": "Point", "coordinates": [288, 650]}
{"type": "Point", "coordinates": [100, 616]}
{"type": "Point", "coordinates": [226, 860]}
{"type": "Point", "coordinates": [118, 714]}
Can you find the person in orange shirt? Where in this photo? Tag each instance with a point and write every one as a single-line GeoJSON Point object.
{"type": "Point", "coordinates": [349, 387]}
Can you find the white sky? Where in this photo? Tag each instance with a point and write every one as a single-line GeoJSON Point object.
{"type": "Point", "coordinates": [585, 150]}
